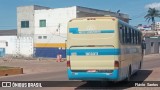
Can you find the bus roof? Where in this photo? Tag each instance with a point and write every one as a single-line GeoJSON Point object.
{"type": "Point", "coordinates": [105, 17]}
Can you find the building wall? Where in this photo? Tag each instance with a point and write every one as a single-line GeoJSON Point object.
{"type": "Point", "coordinates": [56, 20]}
{"type": "Point", "coordinates": [158, 26]}
{"type": "Point", "coordinates": [55, 31]}
{"type": "Point", "coordinates": [26, 13]}
{"type": "Point", "coordinates": [51, 47]}
{"type": "Point", "coordinates": [9, 44]}
{"type": "Point", "coordinates": [152, 45]}
{"type": "Point", "coordinates": [24, 46]}
{"type": "Point", "coordinates": [13, 46]}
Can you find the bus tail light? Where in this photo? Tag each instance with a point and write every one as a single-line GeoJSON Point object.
{"type": "Point", "coordinates": [68, 64]}
{"type": "Point", "coordinates": [116, 64]}
{"type": "Point", "coordinates": [113, 19]}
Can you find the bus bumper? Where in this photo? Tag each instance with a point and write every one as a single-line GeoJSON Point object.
{"type": "Point", "coordinates": [93, 75]}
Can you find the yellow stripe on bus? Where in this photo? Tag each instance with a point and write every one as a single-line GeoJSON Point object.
{"type": "Point", "coordinates": [63, 45]}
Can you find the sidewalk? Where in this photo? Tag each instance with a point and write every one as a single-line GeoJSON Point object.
{"type": "Point", "coordinates": [150, 56]}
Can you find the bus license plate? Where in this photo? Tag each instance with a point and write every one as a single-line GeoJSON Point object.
{"type": "Point", "coordinates": [91, 71]}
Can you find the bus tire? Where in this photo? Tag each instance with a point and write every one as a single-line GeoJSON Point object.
{"type": "Point", "coordinates": [140, 65]}
{"type": "Point", "coordinates": [129, 74]}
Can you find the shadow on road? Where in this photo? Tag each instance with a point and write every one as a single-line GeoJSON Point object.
{"type": "Point", "coordinates": [138, 77]}
{"type": "Point", "coordinates": [141, 75]}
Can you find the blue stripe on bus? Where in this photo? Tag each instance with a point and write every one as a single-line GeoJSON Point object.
{"type": "Point", "coordinates": [82, 52]}
{"type": "Point", "coordinates": [93, 75]}
{"type": "Point", "coordinates": [107, 31]}
{"type": "Point", "coordinates": [75, 31]}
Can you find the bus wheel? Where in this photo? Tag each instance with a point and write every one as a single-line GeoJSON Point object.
{"type": "Point", "coordinates": [140, 65]}
{"type": "Point", "coordinates": [129, 74]}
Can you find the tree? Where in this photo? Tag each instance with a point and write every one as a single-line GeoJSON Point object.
{"type": "Point", "coordinates": [151, 15]}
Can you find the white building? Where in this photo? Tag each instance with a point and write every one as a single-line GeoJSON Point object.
{"type": "Point", "coordinates": [48, 27]}
{"type": "Point", "coordinates": [157, 26]}
{"type": "Point", "coordinates": [8, 42]}
{"type": "Point", "coordinates": [10, 45]}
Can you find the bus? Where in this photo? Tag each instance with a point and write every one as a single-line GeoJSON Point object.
{"type": "Point", "coordinates": [102, 48]}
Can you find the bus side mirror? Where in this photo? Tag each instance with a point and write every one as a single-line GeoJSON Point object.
{"type": "Point", "coordinates": [143, 45]}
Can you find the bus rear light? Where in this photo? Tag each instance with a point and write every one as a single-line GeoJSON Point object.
{"type": "Point", "coordinates": [116, 64]}
{"type": "Point", "coordinates": [113, 19]}
{"type": "Point", "coordinates": [68, 64]}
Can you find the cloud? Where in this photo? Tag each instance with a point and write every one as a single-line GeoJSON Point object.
{"type": "Point", "coordinates": [153, 5]}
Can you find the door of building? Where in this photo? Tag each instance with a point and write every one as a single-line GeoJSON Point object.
{"type": "Point", "coordinates": [152, 47]}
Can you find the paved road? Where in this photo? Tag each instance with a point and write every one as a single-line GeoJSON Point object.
{"type": "Point", "coordinates": [150, 72]}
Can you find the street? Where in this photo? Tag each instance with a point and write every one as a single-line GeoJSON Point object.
{"type": "Point", "coordinates": [79, 45]}
{"type": "Point", "coordinates": [57, 72]}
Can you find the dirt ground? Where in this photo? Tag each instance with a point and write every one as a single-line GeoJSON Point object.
{"type": "Point", "coordinates": [34, 66]}
{"type": "Point", "coordinates": [150, 64]}
{"type": "Point", "coordinates": [49, 65]}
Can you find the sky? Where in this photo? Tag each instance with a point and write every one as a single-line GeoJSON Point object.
{"type": "Point", "coordinates": [136, 9]}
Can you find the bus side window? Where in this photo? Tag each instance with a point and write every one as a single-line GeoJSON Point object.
{"type": "Point", "coordinates": [130, 41]}
{"type": "Point", "coordinates": [136, 37]}
{"type": "Point", "coordinates": [121, 34]}
{"type": "Point", "coordinates": [126, 36]}
{"type": "Point", "coordinates": [133, 33]}
{"type": "Point", "coordinates": [131, 36]}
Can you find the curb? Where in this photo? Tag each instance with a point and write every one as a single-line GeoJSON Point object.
{"type": "Point", "coordinates": [11, 71]}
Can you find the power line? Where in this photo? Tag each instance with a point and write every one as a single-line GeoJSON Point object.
{"type": "Point", "coordinates": [139, 15]}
